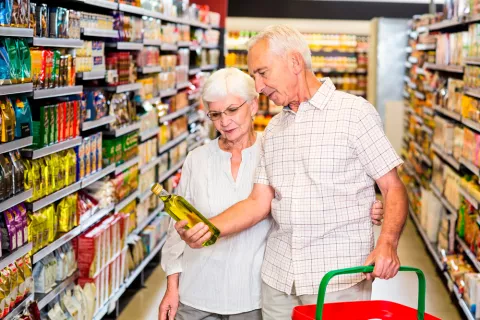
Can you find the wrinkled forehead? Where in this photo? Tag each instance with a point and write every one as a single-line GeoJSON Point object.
{"type": "Point", "coordinates": [229, 100]}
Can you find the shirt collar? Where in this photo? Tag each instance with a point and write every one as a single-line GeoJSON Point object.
{"type": "Point", "coordinates": [320, 99]}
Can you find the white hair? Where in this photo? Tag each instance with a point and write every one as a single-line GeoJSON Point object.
{"type": "Point", "coordinates": [282, 39]}
{"type": "Point", "coordinates": [229, 81]}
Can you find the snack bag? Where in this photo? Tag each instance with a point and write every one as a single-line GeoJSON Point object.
{"type": "Point", "coordinates": [22, 285]}
{"type": "Point", "coordinates": [38, 180]}
{"type": "Point", "coordinates": [11, 119]}
{"type": "Point", "coordinates": [5, 13]}
{"type": "Point", "coordinates": [5, 74]}
{"type": "Point", "coordinates": [32, 21]}
{"type": "Point", "coordinates": [23, 116]}
{"type": "Point", "coordinates": [27, 268]}
{"type": "Point", "coordinates": [55, 76]}
{"type": "Point", "coordinates": [13, 284]}
{"type": "Point", "coordinates": [33, 231]}
{"type": "Point", "coordinates": [40, 128]}
{"type": "Point", "coordinates": [5, 287]}
{"type": "Point", "coordinates": [18, 226]}
{"type": "Point", "coordinates": [25, 60]}
{"type": "Point", "coordinates": [10, 45]}
{"type": "Point", "coordinates": [46, 176]}
{"type": "Point", "coordinates": [37, 68]}
{"type": "Point", "coordinates": [9, 231]}
{"type": "Point", "coordinates": [41, 18]}
{"type": "Point", "coordinates": [28, 179]}
{"type": "Point", "coordinates": [8, 124]}
{"type": "Point", "coordinates": [16, 8]}
{"type": "Point", "coordinates": [18, 173]}
{"type": "Point", "coordinates": [48, 68]}
{"type": "Point", "coordinates": [21, 211]}
{"type": "Point", "coordinates": [7, 169]}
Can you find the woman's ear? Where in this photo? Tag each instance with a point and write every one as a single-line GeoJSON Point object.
{"type": "Point", "coordinates": [254, 106]}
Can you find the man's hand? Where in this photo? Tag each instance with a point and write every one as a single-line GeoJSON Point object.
{"type": "Point", "coordinates": [376, 213]}
{"type": "Point", "coordinates": [194, 237]}
{"type": "Point", "coordinates": [169, 305]}
{"type": "Point", "coordinates": [386, 261]}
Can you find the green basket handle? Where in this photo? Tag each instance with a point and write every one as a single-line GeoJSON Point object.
{"type": "Point", "coordinates": [369, 269]}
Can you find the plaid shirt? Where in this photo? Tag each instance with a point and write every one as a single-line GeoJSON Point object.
{"type": "Point", "coordinates": [322, 163]}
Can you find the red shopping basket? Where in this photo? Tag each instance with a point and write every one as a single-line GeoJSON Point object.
{"type": "Point", "coordinates": [363, 310]}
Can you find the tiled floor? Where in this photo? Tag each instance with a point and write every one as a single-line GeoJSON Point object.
{"type": "Point", "coordinates": [402, 289]}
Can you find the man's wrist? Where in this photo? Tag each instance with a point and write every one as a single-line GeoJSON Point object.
{"type": "Point", "coordinates": [390, 240]}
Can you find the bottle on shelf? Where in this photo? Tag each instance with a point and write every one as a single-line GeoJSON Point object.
{"type": "Point", "coordinates": [180, 209]}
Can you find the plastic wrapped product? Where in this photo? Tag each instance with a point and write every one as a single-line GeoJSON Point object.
{"type": "Point", "coordinates": [5, 75]}
{"type": "Point", "coordinates": [25, 60]}
{"type": "Point", "coordinates": [14, 284]}
{"type": "Point", "coordinates": [10, 45]}
{"type": "Point", "coordinates": [18, 173]}
{"type": "Point", "coordinates": [5, 287]}
{"type": "Point", "coordinates": [23, 116]}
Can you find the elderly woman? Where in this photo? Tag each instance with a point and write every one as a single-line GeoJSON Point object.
{"type": "Point", "coordinates": [221, 281]}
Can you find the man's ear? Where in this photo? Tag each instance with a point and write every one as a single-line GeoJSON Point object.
{"type": "Point", "coordinates": [296, 61]}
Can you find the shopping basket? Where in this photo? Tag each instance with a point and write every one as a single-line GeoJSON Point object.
{"type": "Point", "coordinates": [363, 310]}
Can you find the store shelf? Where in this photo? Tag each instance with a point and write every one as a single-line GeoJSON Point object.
{"type": "Point", "coordinates": [167, 146]}
{"type": "Point", "coordinates": [470, 166]}
{"type": "Point", "coordinates": [183, 85]}
{"type": "Point", "coordinates": [92, 75]}
{"type": "Point", "coordinates": [445, 68]}
{"type": "Point", "coordinates": [168, 93]}
{"type": "Point", "coordinates": [125, 87]}
{"type": "Point", "coordinates": [428, 111]}
{"type": "Point", "coordinates": [194, 71]}
{"type": "Point", "coordinates": [57, 42]}
{"type": "Point", "coordinates": [443, 200]}
{"type": "Point", "coordinates": [425, 47]}
{"type": "Point", "coordinates": [57, 92]}
{"type": "Point", "coordinates": [100, 33]}
{"type": "Point", "coordinates": [127, 164]}
{"type": "Point", "coordinates": [469, 197]}
{"type": "Point", "coordinates": [472, 61]}
{"type": "Point", "coordinates": [16, 32]}
{"type": "Point", "coordinates": [333, 70]}
{"type": "Point", "coordinates": [148, 70]}
{"type": "Point", "coordinates": [88, 219]}
{"type": "Point", "coordinates": [102, 4]}
{"type": "Point", "coordinates": [171, 171]}
{"type": "Point", "coordinates": [408, 65]}
{"type": "Point", "coordinates": [97, 175]}
{"type": "Point", "coordinates": [15, 145]}
{"type": "Point", "coordinates": [420, 71]}
{"type": "Point", "coordinates": [135, 10]}
{"type": "Point", "coordinates": [16, 199]}
{"type": "Point", "coordinates": [88, 125]}
{"type": "Point", "coordinates": [445, 25]}
{"type": "Point", "coordinates": [118, 132]}
{"type": "Point", "coordinates": [7, 259]}
{"type": "Point", "coordinates": [169, 47]}
{"type": "Point", "coordinates": [122, 204]}
{"type": "Point", "coordinates": [149, 133]}
{"type": "Point", "coordinates": [471, 256]}
{"type": "Point", "coordinates": [145, 262]}
{"type": "Point", "coordinates": [152, 42]}
{"type": "Point", "coordinates": [18, 310]}
{"type": "Point", "coordinates": [184, 44]}
{"type": "Point", "coordinates": [44, 299]}
{"type": "Point", "coordinates": [210, 67]}
{"type": "Point", "coordinates": [427, 129]}
{"type": "Point", "coordinates": [39, 153]}
{"type": "Point", "coordinates": [121, 45]}
{"type": "Point", "coordinates": [148, 219]}
{"type": "Point", "coordinates": [413, 60]}
{"type": "Point", "coordinates": [210, 46]}
{"type": "Point", "coordinates": [426, 159]}
{"type": "Point", "coordinates": [472, 92]}
{"type": "Point", "coordinates": [16, 88]}
{"type": "Point", "coordinates": [175, 114]}
{"type": "Point", "coordinates": [448, 113]}
{"type": "Point", "coordinates": [144, 196]}
{"type": "Point", "coordinates": [419, 95]}
{"type": "Point", "coordinates": [433, 252]}
{"type": "Point", "coordinates": [446, 157]}
{"type": "Point", "coordinates": [60, 194]}
{"type": "Point", "coordinates": [151, 164]}
{"type": "Point", "coordinates": [103, 310]}
{"type": "Point", "coordinates": [195, 47]}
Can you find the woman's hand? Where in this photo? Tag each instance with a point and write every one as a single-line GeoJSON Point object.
{"type": "Point", "coordinates": [169, 305]}
{"type": "Point", "coordinates": [376, 213]}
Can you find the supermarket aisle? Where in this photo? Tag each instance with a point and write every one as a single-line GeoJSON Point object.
{"type": "Point", "coordinates": [402, 289]}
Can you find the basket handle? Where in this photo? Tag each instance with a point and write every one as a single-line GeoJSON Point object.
{"type": "Point", "coordinates": [369, 269]}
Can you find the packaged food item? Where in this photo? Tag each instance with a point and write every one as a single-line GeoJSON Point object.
{"type": "Point", "coordinates": [58, 22]}
{"type": "Point", "coordinates": [41, 17]}
{"type": "Point", "coordinates": [10, 45]}
{"type": "Point", "coordinates": [27, 175]}
{"type": "Point", "coordinates": [23, 118]}
{"type": "Point", "coordinates": [46, 174]}
{"type": "Point", "coordinates": [18, 172]}
{"type": "Point", "coordinates": [17, 220]}
{"type": "Point", "coordinates": [32, 22]}
{"type": "Point", "coordinates": [36, 67]}
{"type": "Point", "coordinates": [55, 76]}
{"type": "Point", "coordinates": [38, 180]}
{"type": "Point", "coordinates": [5, 75]}
{"type": "Point", "coordinates": [21, 211]}
{"type": "Point", "coordinates": [5, 13]}
{"type": "Point", "coordinates": [7, 169]}
{"type": "Point", "coordinates": [47, 66]}
{"type": "Point", "coordinates": [21, 284]}
{"type": "Point", "coordinates": [9, 231]}
{"type": "Point", "coordinates": [25, 60]}
{"type": "Point", "coordinates": [8, 120]}
{"type": "Point", "coordinates": [6, 287]}
{"type": "Point", "coordinates": [40, 128]}
{"type": "Point", "coordinates": [27, 268]}
{"type": "Point", "coordinates": [13, 284]}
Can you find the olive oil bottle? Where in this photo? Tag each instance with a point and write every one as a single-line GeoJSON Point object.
{"type": "Point", "coordinates": [180, 209]}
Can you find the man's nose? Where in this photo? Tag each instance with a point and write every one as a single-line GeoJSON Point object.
{"type": "Point", "coordinates": [259, 84]}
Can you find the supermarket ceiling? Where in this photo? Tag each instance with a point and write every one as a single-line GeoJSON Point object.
{"type": "Point", "coordinates": [324, 9]}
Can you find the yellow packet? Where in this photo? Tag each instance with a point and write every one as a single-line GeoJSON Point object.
{"type": "Point", "coordinates": [73, 210]}
{"type": "Point", "coordinates": [27, 268]}
{"type": "Point", "coordinates": [50, 213]}
{"type": "Point", "coordinates": [32, 231]}
{"type": "Point", "coordinates": [62, 159]}
{"type": "Point", "coordinates": [28, 181]}
{"type": "Point", "coordinates": [39, 180]}
{"type": "Point", "coordinates": [63, 216]}
{"type": "Point", "coordinates": [73, 166]}
{"type": "Point", "coordinates": [22, 285]}
{"type": "Point", "coordinates": [42, 228]}
{"type": "Point", "coordinates": [5, 288]}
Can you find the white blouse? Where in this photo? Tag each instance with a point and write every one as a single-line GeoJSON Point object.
{"type": "Point", "coordinates": [223, 278]}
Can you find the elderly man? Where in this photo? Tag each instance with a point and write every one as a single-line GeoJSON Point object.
{"type": "Point", "coordinates": [321, 157]}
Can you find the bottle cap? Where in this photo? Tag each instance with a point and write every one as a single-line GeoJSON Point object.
{"type": "Point", "coordinates": [157, 188]}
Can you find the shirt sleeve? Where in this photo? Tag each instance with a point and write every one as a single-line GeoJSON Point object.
{"type": "Point", "coordinates": [172, 251]}
{"type": "Point", "coordinates": [261, 172]}
{"type": "Point", "coordinates": [373, 148]}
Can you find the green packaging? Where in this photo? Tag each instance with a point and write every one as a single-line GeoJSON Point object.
{"type": "Point", "coordinates": [55, 76]}
{"type": "Point", "coordinates": [25, 60]}
{"type": "Point", "coordinates": [15, 63]}
{"type": "Point", "coordinates": [40, 128]}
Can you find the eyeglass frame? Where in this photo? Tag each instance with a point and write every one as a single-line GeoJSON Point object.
{"type": "Point", "coordinates": [223, 112]}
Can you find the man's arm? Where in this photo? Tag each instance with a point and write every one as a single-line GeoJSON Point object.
{"type": "Point", "coordinates": [396, 207]}
{"type": "Point", "coordinates": [238, 217]}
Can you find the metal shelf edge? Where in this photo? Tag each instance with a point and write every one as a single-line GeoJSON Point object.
{"type": "Point", "coordinates": [16, 199]}
{"type": "Point", "coordinates": [15, 255]}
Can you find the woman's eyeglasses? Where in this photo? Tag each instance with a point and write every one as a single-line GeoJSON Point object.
{"type": "Point", "coordinates": [230, 111]}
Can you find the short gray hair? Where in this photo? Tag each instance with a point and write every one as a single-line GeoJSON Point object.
{"type": "Point", "coordinates": [283, 39]}
{"type": "Point", "coordinates": [229, 81]}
